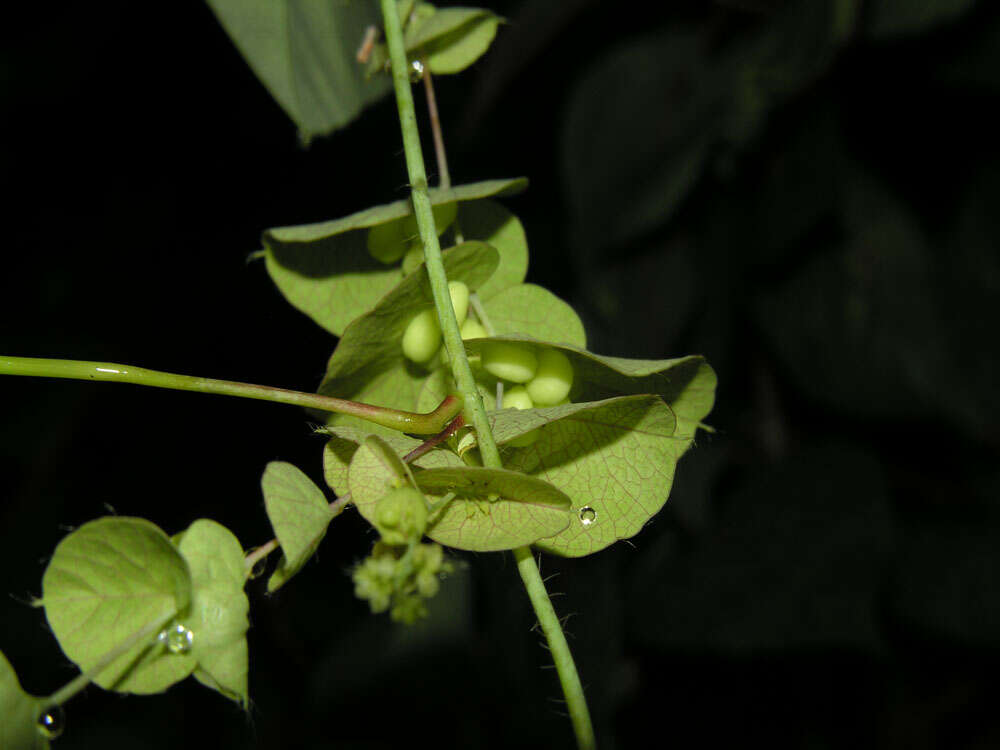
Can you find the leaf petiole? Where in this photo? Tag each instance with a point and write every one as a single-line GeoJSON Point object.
{"type": "Point", "coordinates": [430, 423]}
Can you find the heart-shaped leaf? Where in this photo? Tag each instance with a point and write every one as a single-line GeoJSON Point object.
{"type": "Point", "coordinates": [217, 616]}
{"type": "Point", "coordinates": [325, 269]}
{"type": "Point", "coordinates": [480, 509]}
{"type": "Point", "coordinates": [107, 581]}
{"type": "Point", "coordinates": [299, 514]}
{"type": "Point", "coordinates": [303, 53]}
{"type": "Point", "coordinates": [18, 713]}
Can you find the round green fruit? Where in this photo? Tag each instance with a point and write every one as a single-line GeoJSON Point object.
{"type": "Point", "coordinates": [552, 380]}
{"type": "Point", "coordinates": [516, 397]}
{"type": "Point", "coordinates": [513, 362]}
{"type": "Point", "coordinates": [473, 329]}
{"type": "Point", "coordinates": [422, 337]}
{"type": "Point", "coordinates": [459, 300]}
{"type": "Point", "coordinates": [387, 242]}
{"type": "Point", "coordinates": [413, 258]}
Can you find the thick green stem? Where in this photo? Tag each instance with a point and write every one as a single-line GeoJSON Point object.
{"type": "Point", "coordinates": [404, 421]}
{"type": "Point", "coordinates": [572, 689]}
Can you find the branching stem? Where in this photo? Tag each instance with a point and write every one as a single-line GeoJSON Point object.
{"type": "Point", "coordinates": [572, 689]}
{"type": "Point", "coordinates": [404, 421]}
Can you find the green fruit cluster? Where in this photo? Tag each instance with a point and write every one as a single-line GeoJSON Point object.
{"type": "Point", "coordinates": [401, 579]}
{"type": "Point", "coordinates": [389, 242]}
{"type": "Point", "coordinates": [540, 377]}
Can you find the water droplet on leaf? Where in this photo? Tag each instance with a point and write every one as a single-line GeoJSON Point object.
{"type": "Point", "coordinates": [587, 515]}
{"type": "Point", "coordinates": [177, 639]}
{"type": "Point", "coordinates": [416, 71]}
{"type": "Point", "coordinates": [51, 722]}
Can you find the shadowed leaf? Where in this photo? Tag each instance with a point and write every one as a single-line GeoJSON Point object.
{"type": "Point", "coordinates": [325, 269]}
{"type": "Point", "coordinates": [303, 51]}
{"type": "Point", "coordinates": [299, 514]}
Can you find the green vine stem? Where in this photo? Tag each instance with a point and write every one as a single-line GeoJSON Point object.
{"type": "Point", "coordinates": [419, 424]}
{"type": "Point", "coordinates": [568, 676]}
{"type": "Point", "coordinates": [78, 683]}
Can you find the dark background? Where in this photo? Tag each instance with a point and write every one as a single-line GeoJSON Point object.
{"type": "Point", "coordinates": [809, 203]}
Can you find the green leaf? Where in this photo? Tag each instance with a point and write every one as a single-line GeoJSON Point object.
{"type": "Point", "coordinates": [107, 581]}
{"type": "Point", "coordinates": [451, 39]}
{"type": "Point", "coordinates": [523, 509]}
{"type": "Point", "coordinates": [615, 459]}
{"type": "Point", "coordinates": [489, 222]}
{"type": "Point", "coordinates": [888, 18]}
{"type": "Point", "coordinates": [218, 613]}
{"type": "Point", "coordinates": [299, 514]}
{"type": "Point", "coordinates": [534, 310]}
{"type": "Point", "coordinates": [325, 269]}
{"type": "Point", "coordinates": [18, 713]}
{"type": "Point", "coordinates": [616, 456]}
{"type": "Point", "coordinates": [368, 364]}
{"type": "Point", "coordinates": [344, 441]}
{"type": "Point", "coordinates": [303, 51]}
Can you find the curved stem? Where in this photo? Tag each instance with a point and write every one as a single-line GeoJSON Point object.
{"type": "Point", "coordinates": [572, 689]}
{"type": "Point", "coordinates": [404, 421]}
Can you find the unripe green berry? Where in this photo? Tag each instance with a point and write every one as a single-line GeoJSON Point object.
{"type": "Point", "coordinates": [553, 379]}
{"type": "Point", "coordinates": [473, 329]}
{"type": "Point", "coordinates": [516, 397]}
{"type": "Point", "coordinates": [444, 215]}
{"type": "Point", "coordinates": [401, 516]}
{"type": "Point", "coordinates": [507, 361]}
{"type": "Point", "coordinates": [422, 337]}
{"type": "Point", "coordinates": [387, 242]}
{"type": "Point", "coordinates": [414, 257]}
{"type": "Point", "coordinates": [459, 300]}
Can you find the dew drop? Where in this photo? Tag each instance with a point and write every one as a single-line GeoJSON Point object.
{"type": "Point", "coordinates": [416, 71]}
{"type": "Point", "coordinates": [51, 722]}
{"type": "Point", "coordinates": [177, 639]}
{"type": "Point", "coordinates": [587, 515]}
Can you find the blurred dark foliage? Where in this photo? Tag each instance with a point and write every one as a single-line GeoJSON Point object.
{"type": "Point", "coordinates": [805, 192]}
